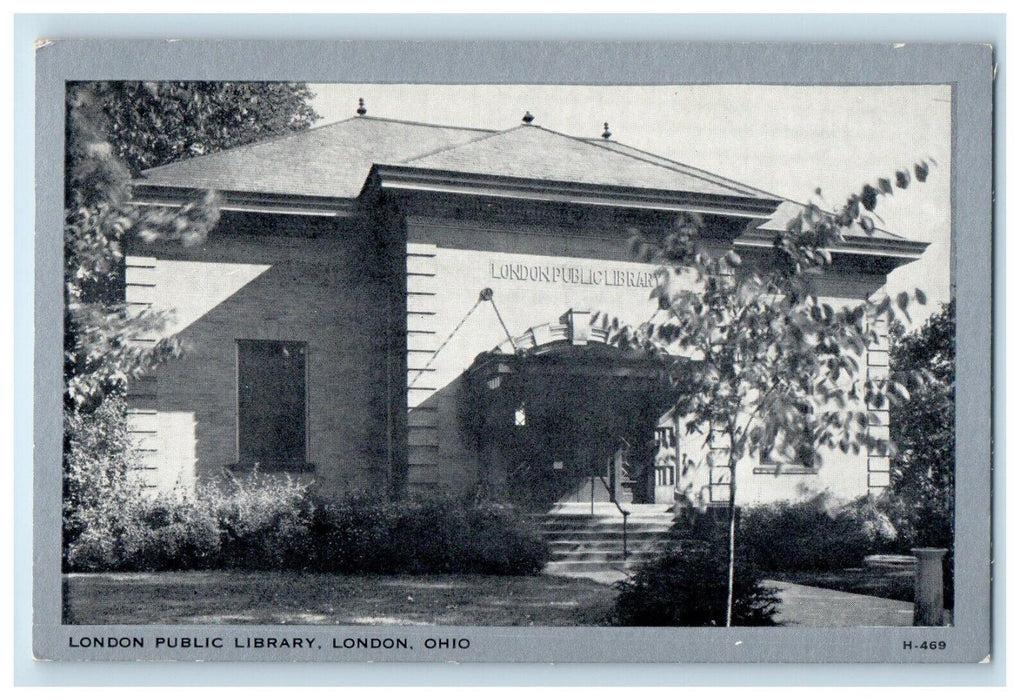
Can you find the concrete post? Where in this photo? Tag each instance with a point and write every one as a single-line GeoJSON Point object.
{"type": "Point", "coordinates": [929, 600]}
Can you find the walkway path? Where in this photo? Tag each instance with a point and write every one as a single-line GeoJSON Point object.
{"type": "Point", "coordinates": [807, 606]}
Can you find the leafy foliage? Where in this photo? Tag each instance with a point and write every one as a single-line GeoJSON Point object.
{"type": "Point", "coordinates": [252, 525]}
{"type": "Point", "coordinates": [922, 500]}
{"type": "Point", "coordinates": [760, 359]}
{"type": "Point", "coordinates": [99, 460]}
{"type": "Point", "coordinates": [923, 469]}
{"type": "Point", "coordinates": [162, 122]}
{"type": "Point", "coordinates": [686, 584]}
{"type": "Point", "coordinates": [370, 534]}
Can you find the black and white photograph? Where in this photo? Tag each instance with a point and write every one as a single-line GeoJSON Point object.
{"type": "Point", "coordinates": [377, 359]}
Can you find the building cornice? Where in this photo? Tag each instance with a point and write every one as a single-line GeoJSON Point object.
{"type": "Point", "coordinates": [403, 178]}
{"type": "Point", "coordinates": [146, 194]}
{"type": "Point", "coordinates": [901, 250]}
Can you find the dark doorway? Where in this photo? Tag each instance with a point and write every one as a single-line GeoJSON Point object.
{"type": "Point", "coordinates": [571, 424]}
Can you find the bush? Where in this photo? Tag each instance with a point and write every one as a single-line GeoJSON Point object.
{"type": "Point", "coordinates": [98, 458]}
{"type": "Point", "coordinates": [817, 534]}
{"type": "Point", "coordinates": [369, 534]}
{"type": "Point", "coordinates": [500, 543]}
{"type": "Point", "coordinates": [265, 523]}
{"type": "Point", "coordinates": [686, 585]}
{"type": "Point", "coordinates": [353, 536]}
{"type": "Point", "coordinates": [255, 523]}
{"type": "Point", "coordinates": [144, 534]}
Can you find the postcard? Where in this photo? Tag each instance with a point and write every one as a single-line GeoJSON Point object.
{"type": "Point", "coordinates": [544, 352]}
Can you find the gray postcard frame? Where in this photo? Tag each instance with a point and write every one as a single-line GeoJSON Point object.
{"type": "Point", "coordinates": [968, 68]}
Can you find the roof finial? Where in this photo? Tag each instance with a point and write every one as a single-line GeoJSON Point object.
{"type": "Point", "coordinates": [527, 118]}
{"type": "Point", "coordinates": [606, 130]}
{"type": "Point", "coordinates": [361, 109]}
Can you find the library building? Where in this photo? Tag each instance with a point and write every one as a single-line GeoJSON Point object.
{"type": "Point", "coordinates": [410, 308]}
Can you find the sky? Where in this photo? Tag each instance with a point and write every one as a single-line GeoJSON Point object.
{"type": "Point", "coordinates": [787, 140]}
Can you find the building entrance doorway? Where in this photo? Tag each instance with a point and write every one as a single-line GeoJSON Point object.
{"type": "Point", "coordinates": [567, 421]}
{"type": "Point", "coordinates": [577, 440]}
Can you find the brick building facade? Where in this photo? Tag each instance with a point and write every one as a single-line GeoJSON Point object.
{"type": "Point", "coordinates": [376, 287]}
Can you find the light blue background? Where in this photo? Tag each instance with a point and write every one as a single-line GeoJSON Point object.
{"type": "Point", "coordinates": [854, 28]}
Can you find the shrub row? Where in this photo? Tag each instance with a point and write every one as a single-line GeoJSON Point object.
{"type": "Point", "coordinates": [817, 534]}
{"type": "Point", "coordinates": [433, 536]}
{"type": "Point", "coordinates": [267, 524]}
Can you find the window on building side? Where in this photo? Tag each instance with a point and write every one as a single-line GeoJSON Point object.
{"type": "Point", "coordinates": [272, 404]}
{"type": "Point", "coordinates": [800, 460]}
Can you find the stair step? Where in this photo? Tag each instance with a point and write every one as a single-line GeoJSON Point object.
{"type": "Point", "coordinates": [615, 547]}
{"type": "Point", "coordinates": [588, 521]}
{"type": "Point", "coordinates": [584, 538]}
{"type": "Point", "coordinates": [606, 515]}
{"type": "Point", "coordinates": [556, 568]}
{"type": "Point", "coordinates": [607, 512]}
{"type": "Point", "coordinates": [600, 532]}
{"type": "Point", "coordinates": [563, 547]}
{"type": "Point", "coordinates": [578, 543]}
{"type": "Point", "coordinates": [586, 510]}
{"type": "Point", "coordinates": [591, 557]}
{"type": "Point", "coordinates": [602, 557]}
{"type": "Point", "coordinates": [568, 543]}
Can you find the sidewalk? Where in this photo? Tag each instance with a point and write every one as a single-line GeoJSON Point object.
{"type": "Point", "coordinates": [807, 606]}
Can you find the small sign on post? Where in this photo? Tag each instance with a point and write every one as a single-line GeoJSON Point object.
{"type": "Point", "coordinates": [929, 598]}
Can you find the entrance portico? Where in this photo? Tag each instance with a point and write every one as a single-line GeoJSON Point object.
{"type": "Point", "coordinates": [566, 414]}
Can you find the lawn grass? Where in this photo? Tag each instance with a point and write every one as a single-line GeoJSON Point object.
{"type": "Point", "coordinates": [277, 597]}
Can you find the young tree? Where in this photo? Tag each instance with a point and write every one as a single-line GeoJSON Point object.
{"type": "Point", "coordinates": [762, 364]}
{"type": "Point", "coordinates": [98, 328]}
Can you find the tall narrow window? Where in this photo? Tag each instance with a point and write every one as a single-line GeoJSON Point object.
{"type": "Point", "coordinates": [272, 404]}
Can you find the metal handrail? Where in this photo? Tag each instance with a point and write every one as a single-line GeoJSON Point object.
{"type": "Point", "coordinates": [624, 516]}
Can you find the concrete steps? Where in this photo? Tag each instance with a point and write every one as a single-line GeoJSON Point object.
{"type": "Point", "coordinates": [588, 539]}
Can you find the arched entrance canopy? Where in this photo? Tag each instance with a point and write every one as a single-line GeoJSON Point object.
{"type": "Point", "coordinates": [582, 345]}
{"type": "Point", "coordinates": [591, 333]}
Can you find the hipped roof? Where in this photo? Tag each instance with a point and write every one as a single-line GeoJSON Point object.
{"type": "Point", "coordinates": [327, 161]}
{"type": "Point", "coordinates": [532, 152]}
{"type": "Point", "coordinates": [334, 161]}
